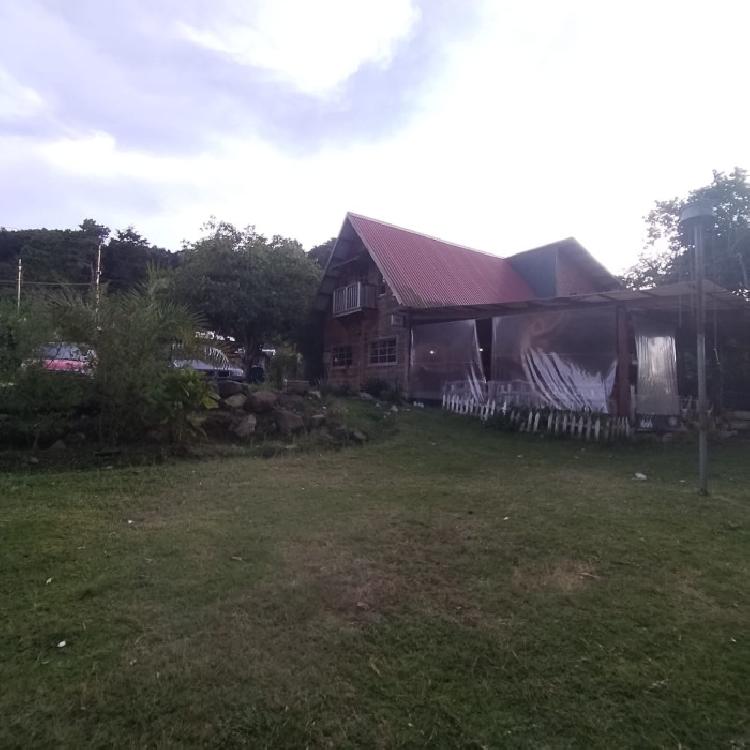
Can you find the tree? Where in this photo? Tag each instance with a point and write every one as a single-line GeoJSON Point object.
{"type": "Point", "coordinates": [668, 256]}
{"type": "Point", "coordinates": [127, 258]}
{"type": "Point", "coordinates": [68, 256]}
{"type": "Point", "coordinates": [321, 253]}
{"type": "Point", "coordinates": [247, 286]}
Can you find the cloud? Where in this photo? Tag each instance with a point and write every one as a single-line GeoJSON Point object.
{"type": "Point", "coordinates": [312, 73]}
{"type": "Point", "coordinates": [35, 192]}
{"type": "Point", "coordinates": [314, 47]}
{"type": "Point", "coordinates": [17, 102]}
{"type": "Point", "coordinates": [499, 125]}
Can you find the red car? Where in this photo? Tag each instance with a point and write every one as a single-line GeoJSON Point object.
{"type": "Point", "coordinates": [66, 358]}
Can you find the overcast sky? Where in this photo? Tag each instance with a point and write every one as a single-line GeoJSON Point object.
{"type": "Point", "coordinates": [501, 125]}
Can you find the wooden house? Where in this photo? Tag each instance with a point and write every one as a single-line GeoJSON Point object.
{"type": "Point", "coordinates": [382, 280]}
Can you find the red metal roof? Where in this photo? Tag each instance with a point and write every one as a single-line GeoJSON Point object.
{"type": "Point", "coordinates": [426, 272]}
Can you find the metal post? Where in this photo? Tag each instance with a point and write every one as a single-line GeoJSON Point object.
{"type": "Point", "coordinates": [700, 314]}
{"type": "Point", "coordinates": [18, 285]}
{"type": "Point", "coordinates": [699, 215]}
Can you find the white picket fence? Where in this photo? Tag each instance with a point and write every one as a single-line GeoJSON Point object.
{"type": "Point", "coordinates": [581, 425]}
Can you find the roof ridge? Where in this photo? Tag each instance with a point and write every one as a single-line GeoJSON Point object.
{"type": "Point", "coordinates": [428, 236]}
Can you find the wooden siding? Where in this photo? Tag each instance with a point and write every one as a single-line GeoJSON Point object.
{"type": "Point", "coordinates": [359, 329]}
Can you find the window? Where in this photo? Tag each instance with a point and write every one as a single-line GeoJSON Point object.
{"type": "Point", "coordinates": [341, 356]}
{"type": "Point", "coordinates": [383, 352]}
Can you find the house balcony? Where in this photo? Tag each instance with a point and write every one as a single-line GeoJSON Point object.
{"type": "Point", "coordinates": [352, 298]}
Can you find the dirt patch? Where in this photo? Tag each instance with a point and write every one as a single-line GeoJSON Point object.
{"type": "Point", "coordinates": [561, 575]}
{"type": "Point", "coordinates": [355, 587]}
{"type": "Point", "coordinates": [349, 586]}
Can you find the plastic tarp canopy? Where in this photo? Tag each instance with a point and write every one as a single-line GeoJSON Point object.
{"type": "Point", "coordinates": [557, 359]}
{"type": "Point", "coordinates": [656, 351]}
{"type": "Point", "coordinates": [443, 353]}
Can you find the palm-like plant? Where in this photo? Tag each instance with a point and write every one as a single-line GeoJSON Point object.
{"type": "Point", "coordinates": [133, 334]}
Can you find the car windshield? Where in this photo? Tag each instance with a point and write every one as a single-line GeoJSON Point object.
{"type": "Point", "coordinates": [61, 351]}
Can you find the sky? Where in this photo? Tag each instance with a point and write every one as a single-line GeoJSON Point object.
{"type": "Point", "coordinates": [499, 125]}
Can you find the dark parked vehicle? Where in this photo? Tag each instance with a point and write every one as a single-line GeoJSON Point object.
{"type": "Point", "coordinates": [215, 365]}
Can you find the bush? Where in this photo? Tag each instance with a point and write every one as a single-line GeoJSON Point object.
{"type": "Point", "coordinates": [22, 332]}
{"type": "Point", "coordinates": [183, 392]}
{"type": "Point", "coordinates": [42, 406]}
{"type": "Point", "coordinates": [332, 389]}
{"type": "Point", "coordinates": [383, 390]}
{"type": "Point", "coordinates": [286, 364]}
{"type": "Point", "coordinates": [133, 388]}
{"type": "Point", "coordinates": [134, 335]}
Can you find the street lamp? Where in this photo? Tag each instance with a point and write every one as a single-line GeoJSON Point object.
{"type": "Point", "coordinates": [697, 217]}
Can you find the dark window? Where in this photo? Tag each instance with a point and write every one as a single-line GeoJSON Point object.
{"type": "Point", "coordinates": [383, 352]}
{"type": "Point", "coordinates": [341, 356]}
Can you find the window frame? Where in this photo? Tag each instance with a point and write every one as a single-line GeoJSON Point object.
{"type": "Point", "coordinates": [349, 361]}
{"type": "Point", "coordinates": [384, 340]}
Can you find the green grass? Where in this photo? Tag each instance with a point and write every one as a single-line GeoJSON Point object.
{"type": "Point", "coordinates": [446, 586]}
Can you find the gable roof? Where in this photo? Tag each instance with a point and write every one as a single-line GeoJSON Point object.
{"type": "Point", "coordinates": [425, 272]}
{"type": "Point", "coordinates": [572, 249]}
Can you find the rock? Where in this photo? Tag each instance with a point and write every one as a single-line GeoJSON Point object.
{"type": "Point", "coordinates": [292, 402]}
{"type": "Point", "coordinates": [245, 427]}
{"type": "Point", "coordinates": [366, 396]}
{"type": "Point", "coordinates": [317, 421]}
{"type": "Point", "coordinates": [315, 394]}
{"type": "Point", "coordinates": [75, 438]}
{"type": "Point", "coordinates": [394, 409]}
{"type": "Point", "coordinates": [288, 422]}
{"type": "Point", "coordinates": [358, 436]}
{"type": "Point", "coordinates": [196, 419]}
{"type": "Point", "coordinates": [297, 387]}
{"type": "Point", "coordinates": [58, 447]}
{"type": "Point", "coordinates": [237, 401]}
{"type": "Point", "coordinates": [219, 417]}
{"type": "Point", "coordinates": [229, 388]}
{"type": "Point", "coordinates": [218, 422]}
{"type": "Point", "coordinates": [32, 460]}
{"type": "Point", "coordinates": [639, 477]}
{"type": "Point", "coordinates": [261, 401]}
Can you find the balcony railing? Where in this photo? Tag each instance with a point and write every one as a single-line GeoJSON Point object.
{"type": "Point", "coordinates": [352, 298]}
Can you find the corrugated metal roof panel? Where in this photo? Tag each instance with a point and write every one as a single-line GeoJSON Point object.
{"type": "Point", "coordinates": [426, 272]}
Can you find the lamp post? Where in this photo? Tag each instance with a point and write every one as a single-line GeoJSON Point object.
{"type": "Point", "coordinates": [697, 217]}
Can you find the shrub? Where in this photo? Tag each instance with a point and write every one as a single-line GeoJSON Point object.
{"type": "Point", "coordinates": [42, 406]}
{"type": "Point", "coordinates": [332, 389]}
{"type": "Point", "coordinates": [183, 392]}
{"type": "Point", "coordinates": [375, 386]}
{"type": "Point", "coordinates": [133, 387]}
{"type": "Point", "coordinates": [383, 390]}
{"type": "Point", "coordinates": [22, 332]}
{"type": "Point", "coordinates": [286, 364]}
{"type": "Point", "coordinates": [134, 334]}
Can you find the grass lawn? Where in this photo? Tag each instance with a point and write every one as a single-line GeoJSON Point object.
{"type": "Point", "coordinates": [449, 586]}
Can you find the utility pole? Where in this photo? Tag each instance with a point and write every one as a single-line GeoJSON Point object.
{"type": "Point", "coordinates": [18, 285]}
{"type": "Point", "coordinates": [698, 216]}
{"type": "Point", "coordinates": [98, 274]}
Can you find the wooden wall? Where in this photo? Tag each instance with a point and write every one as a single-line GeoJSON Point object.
{"type": "Point", "coordinates": [359, 329]}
